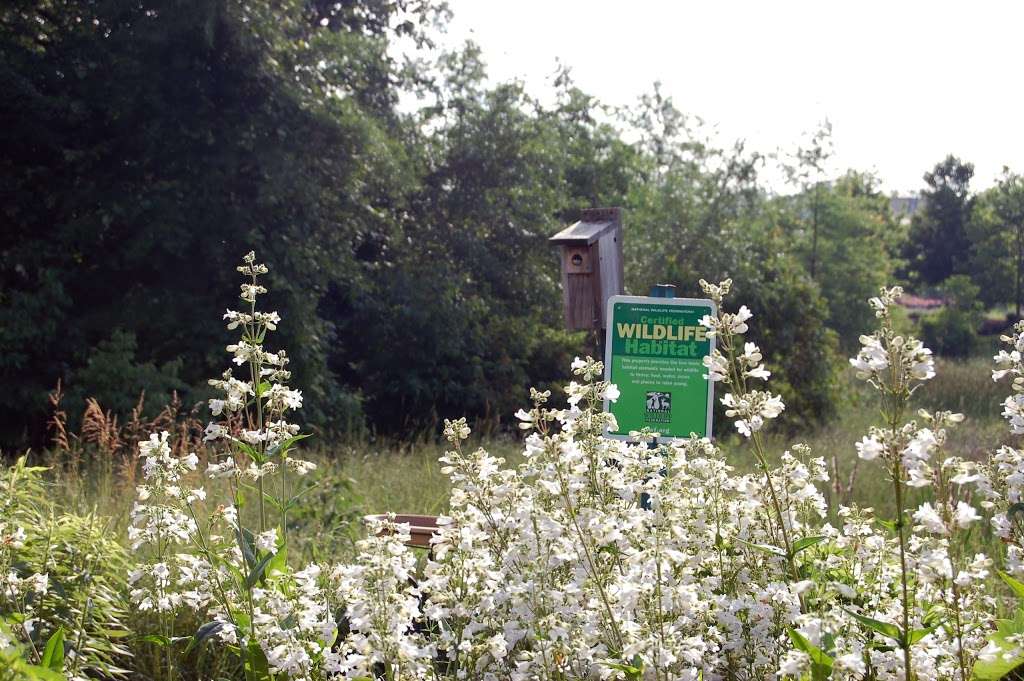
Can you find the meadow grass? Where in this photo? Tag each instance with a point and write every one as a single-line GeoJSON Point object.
{"type": "Point", "coordinates": [355, 479]}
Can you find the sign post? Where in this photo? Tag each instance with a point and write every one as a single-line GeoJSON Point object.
{"type": "Point", "coordinates": [654, 351]}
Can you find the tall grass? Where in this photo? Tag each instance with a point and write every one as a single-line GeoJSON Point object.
{"type": "Point", "coordinates": [966, 387]}
{"type": "Point", "coordinates": [355, 479]}
{"type": "Point", "coordinates": [960, 386]}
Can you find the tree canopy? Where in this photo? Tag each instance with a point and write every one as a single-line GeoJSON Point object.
{"type": "Point", "coordinates": [147, 146]}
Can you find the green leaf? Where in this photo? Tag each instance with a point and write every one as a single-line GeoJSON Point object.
{"type": "Point", "coordinates": [285, 445]}
{"type": "Point", "coordinates": [1000, 667]}
{"type": "Point", "coordinates": [235, 572]}
{"type": "Point", "coordinates": [806, 543]}
{"type": "Point", "coordinates": [933, 615]}
{"type": "Point", "coordinates": [53, 654]}
{"type": "Point", "coordinates": [917, 634]}
{"type": "Point", "coordinates": [279, 563]}
{"type": "Point", "coordinates": [775, 550]}
{"type": "Point", "coordinates": [301, 493]}
{"type": "Point", "coordinates": [156, 639]}
{"type": "Point", "coordinates": [203, 633]}
{"type": "Point", "coordinates": [633, 670]}
{"type": "Point", "coordinates": [247, 544]}
{"type": "Point", "coordinates": [1016, 585]}
{"type": "Point", "coordinates": [272, 500]}
{"type": "Point", "coordinates": [115, 633]}
{"type": "Point", "coordinates": [35, 671]}
{"type": "Point", "coordinates": [256, 666]}
{"type": "Point", "coordinates": [626, 668]}
{"type": "Point", "coordinates": [821, 662]}
{"type": "Point", "coordinates": [257, 571]}
{"type": "Point", "coordinates": [887, 524]}
{"type": "Point", "coordinates": [251, 452]}
{"type": "Point", "coordinates": [883, 628]}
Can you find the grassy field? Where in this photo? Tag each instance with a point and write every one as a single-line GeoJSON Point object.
{"type": "Point", "coordinates": [376, 477]}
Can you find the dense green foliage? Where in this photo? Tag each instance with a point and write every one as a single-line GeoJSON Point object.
{"type": "Point", "coordinates": [952, 331]}
{"type": "Point", "coordinates": [83, 566]}
{"type": "Point", "coordinates": [997, 242]}
{"type": "Point", "coordinates": [147, 146]}
{"type": "Point", "coordinates": [938, 245]}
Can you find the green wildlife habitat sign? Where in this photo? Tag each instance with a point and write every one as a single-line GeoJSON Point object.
{"type": "Point", "coordinates": [654, 351]}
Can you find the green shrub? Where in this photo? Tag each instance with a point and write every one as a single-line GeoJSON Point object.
{"type": "Point", "coordinates": [949, 333]}
{"type": "Point", "coordinates": [115, 376]}
{"type": "Point", "coordinates": [952, 332]}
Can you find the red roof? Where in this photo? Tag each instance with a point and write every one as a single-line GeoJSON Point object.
{"type": "Point", "coordinates": [909, 300]}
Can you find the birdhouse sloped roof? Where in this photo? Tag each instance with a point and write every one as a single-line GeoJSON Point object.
{"type": "Point", "coordinates": [582, 233]}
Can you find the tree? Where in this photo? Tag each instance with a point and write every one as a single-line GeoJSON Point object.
{"type": "Point", "coordinates": [938, 245]}
{"type": "Point", "coordinates": [997, 236]}
{"type": "Point", "coordinates": [700, 212]}
{"type": "Point", "coordinates": [807, 173]}
{"type": "Point", "coordinates": [146, 148]}
{"type": "Point", "coordinates": [852, 239]}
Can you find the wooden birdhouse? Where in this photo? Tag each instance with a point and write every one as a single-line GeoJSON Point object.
{"type": "Point", "coordinates": [591, 254]}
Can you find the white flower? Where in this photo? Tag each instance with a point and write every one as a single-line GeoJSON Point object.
{"type": "Point", "coordinates": [743, 315]}
{"type": "Point", "coordinates": [851, 662]}
{"type": "Point", "coordinates": [964, 515]}
{"type": "Point", "coordinates": [456, 430]}
{"type": "Point", "coordinates": [224, 469]}
{"type": "Point", "coordinates": [990, 653]}
{"type": "Point", "coordinates": [525, 418]}
{"type": "Point", "coordinates": [280, 397]}
{"type": "Point", "coordinates": [717, 365]}
{"type": "Point", "coordinates": [611, 393]}
{"type": "Point", "coordinates": [794, 664]}
{"type": "Point", "coordinates": [575, 392]}
{"type": "Point", "coordinates": [17, 538]}
{"type": "Point", "coordinates": [758, 372]}
{"type": "Point", "coordinates": [922, 364]}
{"type": "Point", "coordinates": [267, 541]}
{"type": "Point", "coordinates": [40, 582]}
{"type": "Point", "coordinates": [300, 467]}
{"type": "Point", "coordinates": [871, 359]}
{"type": "Point", "coordinates": [869, 448]}
{"type": "Point", "coordinates": [929, 519]}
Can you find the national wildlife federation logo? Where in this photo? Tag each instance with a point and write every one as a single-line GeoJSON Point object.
{"type": "Point", "coordinates": [659, 407]}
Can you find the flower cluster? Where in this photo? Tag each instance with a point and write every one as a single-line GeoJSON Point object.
{"type": "Point", "coordinates": [275, 618]}
{"type": "Point", "coordinates": [595, 558]}
{"type": "Point", "coordinates": [885, 351]}
{"type": "Point", "coordinates": [600, 558]}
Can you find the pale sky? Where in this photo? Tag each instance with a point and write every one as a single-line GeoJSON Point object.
{"type": "Point", "coordinates": [903, 83]}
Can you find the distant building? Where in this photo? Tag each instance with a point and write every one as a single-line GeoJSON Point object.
{"type": "Point", "coordinates": [904, 207]}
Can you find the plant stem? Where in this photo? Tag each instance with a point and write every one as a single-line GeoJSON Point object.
{"type": "Point", "coordinates": [284, 498]}
{"type": "Point", "coordinates": [899, 394]}
{"type": "Point", "coordinates": [905, 600]}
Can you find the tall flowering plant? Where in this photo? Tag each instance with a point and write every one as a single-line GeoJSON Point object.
{"type": "Point", "coordinates": [1001, 482]}
{"type": "Point", "coordinates": [222, 557]}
